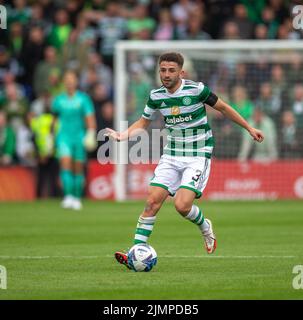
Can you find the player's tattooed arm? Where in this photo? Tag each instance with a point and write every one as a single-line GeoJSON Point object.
{"type": "Point", "coordinates": [147, 207]}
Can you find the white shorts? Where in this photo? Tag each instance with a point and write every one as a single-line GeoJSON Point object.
{"type": "Point", "coordinates": [173, 173]}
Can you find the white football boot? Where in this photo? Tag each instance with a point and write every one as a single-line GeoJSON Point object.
{"type": "Point", "coordinates": [67, 202]}
{"type": "Point", "coordinates": [210, 241]}
{"type": "Point", "coordinates": [76, 204]}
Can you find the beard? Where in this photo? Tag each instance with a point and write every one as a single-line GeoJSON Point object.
{"type": "Point", "coordinates": [169, 83]}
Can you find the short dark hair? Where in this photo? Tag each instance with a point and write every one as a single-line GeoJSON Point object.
{"type": "Point", "coordinates": [172, 56]}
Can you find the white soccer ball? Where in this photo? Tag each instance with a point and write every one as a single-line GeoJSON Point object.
{"type": "Point", "coordinates": [142, 257]}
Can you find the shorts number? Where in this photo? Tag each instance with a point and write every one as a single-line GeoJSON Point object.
{"type": "Point", "coordinates": [197, 176]}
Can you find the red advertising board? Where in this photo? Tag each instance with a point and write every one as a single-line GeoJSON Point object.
{"type": "Point", "coordinates": [253, 180]}
{"type": "Point", "coordinates": [17, 184]}
{"type": "Point", "coordinates": [228, 180]}
{"type": "Point", "coordinates": [100, 181]}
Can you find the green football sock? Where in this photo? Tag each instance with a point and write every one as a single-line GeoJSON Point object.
{"type": "Point", "coordinates": [196, 216]}
{"type": "Point", "coordinates": [144, 229]}
{"type": "Point", "coordinates": [66, 177]}
{"type": "Point", "coordinates": [78, 185]}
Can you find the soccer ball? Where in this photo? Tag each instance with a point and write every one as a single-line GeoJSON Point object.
{"type": "Point", "coordinates": [142, 257]}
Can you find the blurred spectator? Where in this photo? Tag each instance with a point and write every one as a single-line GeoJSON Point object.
{"type": "Point", "coordinates": [280, 9]}
{"type": "Point", "coordinates": [140, 26]}
{"type": "Point", "coordinates": [99, 96]}
{"type": "Point", "coordinates": [297, 105]}
{"type": "Point", "coordinates": [265, 151]}
{"type": "Point", "coordinates": [111, 28]}
{"type": "Point", "coordinates": [231, 31]}
{"type": "Point", "coordinates": [74, 53]}
{"type": "Point", "coordinates": [105, 115]}
{"type": "Point", "coordinates": [225, 132]}
{"type": "Point", "coordinates": [49, 9]}
{"type": "Point", "coordinates": [44, 69]}
{"type": "Point", "coordinates": [99, 5]}
{"type": "Point", "coordinates": [287, 32]}
{"type": "Point", "coordinates": [259, 73]}
{"type": "Point", "coordinates": [218, 10]}
{"type": "Point", "coordinates": [155, 7]}
{"type": "Point", "coordinates": [261, 32]}
{"type": "Point", "coordinates": [245, 26]}
{"type": "Point", "coordinates": [15, 106]}
{"type": "Point", "coordinates": [25, 150]}
{"type": "Point", "coordinates": [190, 71]}
{"type": "Point", "coordinates": [47, 170]}
{"type": "Point", "coordinates": [165, 27]}
{"type": "Point", "coordinates": [32, 54]}
{"type": "Point", "coordinates": [90, 80]}
{"type": "Point", "coordinates": [38, 19]}
{"type": "Point", "coordinates": [270, 103]}
{"type": "Point", "coordinates": [102, 73]}
{"type": "Point", "coordinates": [9, 78]}
{"type": "Point", "coordinates": [55, 82]}
{"type": "Point", "coordinates": [105, 119]}
{"type": "Point", "coordinates": [40, 105]}
{"type": "Point", "coordinates": [16, 39]}
{"type": "Point", "coordinates": [4, 37]}
{"type": "Point", "coordinates": [284, 32]}
{"type": "Point", "coordinates": [8, 65]}
{"type": "Point", "coordinates": [182, 11]}
{"type": "Point", "coordinates": [19, 12]}
{"type": "Point", "coordinates": [240, 76]}
{"type": "Point", "coordinates": [87, 34]}
{"type": "Point", "coordinates": [139, 88]}
{"type": "Point", "coordinates": [7, 141]}
{"type": "Point", "coordinates": [295, 67]}
{"type": "Point", "coordinates": [289, 136]}
{"type": "Point", "coordinates": [269, 19]}
{"type": "Point", "coordinates": [279, 85]}
{"type": "Point", "coordinates": [254, 9]}
{"type": "Point", "coordinates": [194, 29]}
{"type": "Point", "coordinates": [60, 31]}
{"type": "Point", "coordinates": [104, 111]}
{"type": "Point", "coordinates": [241, 103]}
{"type": "Point", "coordinates": [73, 9]}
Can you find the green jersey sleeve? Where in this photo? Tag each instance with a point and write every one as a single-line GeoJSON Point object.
{"type": "Point", "coordinates": [204, 92]}
{"type": "Point", "coordinates": [149, 109]}
{"type": "Point", "coordinates": [88, 106]}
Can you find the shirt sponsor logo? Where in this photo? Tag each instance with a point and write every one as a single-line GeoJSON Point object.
{"type": "Point", "coordinates": [179, 119]}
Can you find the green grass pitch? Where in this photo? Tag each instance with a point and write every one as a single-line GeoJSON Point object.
{"type": "Point", "coordinates": [51, 253]}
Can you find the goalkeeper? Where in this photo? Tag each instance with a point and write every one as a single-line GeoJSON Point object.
{"type": "Point", "coordinates": [76, 134]}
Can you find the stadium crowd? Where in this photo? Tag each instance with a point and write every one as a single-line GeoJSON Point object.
{"type": "Point", "coordinates": [44, 38]}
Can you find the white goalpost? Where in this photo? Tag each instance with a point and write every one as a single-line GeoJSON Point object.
{"type": "Point", "coordinates": [232, 69]}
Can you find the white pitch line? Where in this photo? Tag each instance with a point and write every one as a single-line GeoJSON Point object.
{"type": "Point", "coordinates": [162, 256]}
{"type": "Point", "coordinates": [48, 257]}
{"type": "Point", "coordinates": [231, 257]}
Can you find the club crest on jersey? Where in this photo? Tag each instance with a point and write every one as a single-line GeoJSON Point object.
{"type": "Point", "coordinates": [186, 101]}
{"type": "Point", "coordinates": [175, 110]}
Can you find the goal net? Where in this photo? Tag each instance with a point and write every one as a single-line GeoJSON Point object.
{"type": "Point", "coordinates": [262, 80]}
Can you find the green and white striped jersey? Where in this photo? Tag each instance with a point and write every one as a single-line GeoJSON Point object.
{"type": "Point", "coordinates": [189, 133]}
